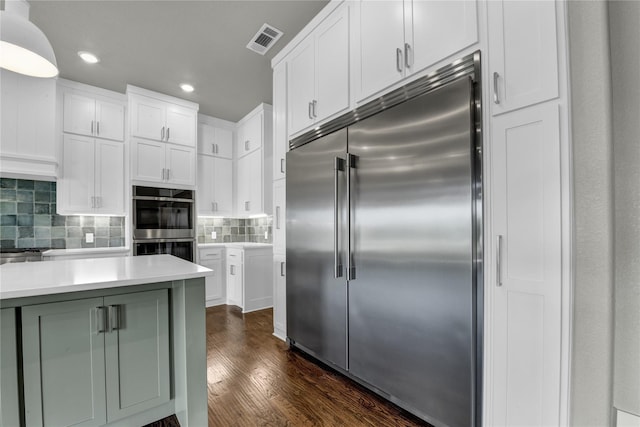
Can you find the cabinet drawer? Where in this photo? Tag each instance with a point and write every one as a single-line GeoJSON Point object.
{"type": "Point", "coordinates": [211, 254]}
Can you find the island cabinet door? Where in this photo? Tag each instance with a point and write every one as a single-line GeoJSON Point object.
{"type": "Point", "coordinates": [63, 356]}
{"type": "Point", "coordinates": [137, 352]}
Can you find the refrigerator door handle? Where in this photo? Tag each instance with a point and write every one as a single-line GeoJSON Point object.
{"type": "Point", "coordinates": [499, 260]}
{"type": "Point", "coordinates": [337, 265]}
{"type": "Point", "coordinates": [351, 267]}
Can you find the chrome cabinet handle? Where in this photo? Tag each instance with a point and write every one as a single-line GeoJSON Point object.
{"type": "Point", "coordinates": [246, 145]}
{"type": "Point", "coordinates": [315, 108]}
{"type": "Point", "coordinates": [246, 205]}
{"type": "Point", "coordinates": [282, 269]}
{"type": "Point", "coordinates": [277, 217]}
{"type": "Point", "coordinates": [162, 134]}
{"type": "Point", "coordinates": [496, 98]}
{"type": "Point", "coordinates": [98, 128]}
{"type": "Point", "coordinates": [216, 149]}
{"type": "Point", "coordinates": [168, 130]}
{"type": "Point", "coordinates": [338, 167]}
{"type": "Point", "coordinates": [399, 60]}
{"type": "Point", "coordinates": [215, 206]}
{"type": "Point", "coordinates": [100, 319]}
{"type": "Point", "coordinates": [282, 165]}
{"type": "Point", "coordinates": [114, 317]}
{"type": "Point", "coordinates": [213, 148]}
{"type": "Point", "coordinates": [93, 202]}
{"type": "Point", "coordinates": [310, 107]}
{"type": "Point", "coordinates": [408, 55]}
{"type": "Point", "coordinates": [91, 127]}
{"type": "Point", "coordinates": [162, 174]}
{"type": "Point", "coordinates": [499, 260]}
{"type": "Point", "coordinates": [98, 201]}
{"type": "Point", "coordinates": [168, 174]}
{"type": "Point", "coordinates": [232, 270]}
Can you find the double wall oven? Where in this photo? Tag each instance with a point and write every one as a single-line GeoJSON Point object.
{"type": "Point", "coordinates": [164, 222]}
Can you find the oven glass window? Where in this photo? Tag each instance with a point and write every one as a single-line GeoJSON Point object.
{"type": "Point", "coordinates": [153, 215]}
{"type": "Point", "coordinates": [182, 250]}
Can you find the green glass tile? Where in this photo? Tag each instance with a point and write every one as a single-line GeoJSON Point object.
{"type": "Point", "coordinates": [42, 220]}
{"type": "Point", "coordinates": [115, 232]}
{"type": "Point", "coordinates": [8, 194]}
{"type": "Point", "coordinates": [41, 208]}
{"type": "Point", "coordinates": [7, 183]}
{"type": "Point", "coordinates": [116, 221]}
{"type": "Point", "coordinates": [25, 184]}
{"type": "Point", "coordinates": [58, 243]}
{"type": "Point", "coordinates": [8, 220]}
{"type": "Point", "coordinates": [102, 221]}
{"type": "Point", "coordinates": [73, 243]}
{"type": "Point", "coordinates": [25, 243]}
{"type": "Point", "coordinates": [74, 232]}
{"type": "Point", "coordinates": [87, 221]}
{"type": "Point", "coordinates": [43, 243]}
{"type": "Point", "coordinates": [8, 232]}
{"type": "Point", "coordinates": [24, 232]}
{"type": "Point", "coordinates": [8, 207]}
{"type": "Point", "coordinates": [102, 243]}
{"type": "Point", "coordinates": [7, 244]}
{"type": "Point", "coordinates": [102, 231]}
{"type": "Point", "coordinates": [58, 220]}
{"type": "Point", "coordinates": [73, 221]}
{"type": "Point", "coordinates": [42, 197]}
{"type": "Point", "coordinates": [42, 186]}
{"type": "Point", "coordinates": [25, 208]}
{"type": "Point", "coordinates": [58, 232]}
{"type": "Point", "coordinates": [42, 232]}
{"type": "Point", "coordinates": [116, 242]}
{"type": "Point", "coordinates": [25, 220]}
{"type": "Point", "coordinates": [24, 196]}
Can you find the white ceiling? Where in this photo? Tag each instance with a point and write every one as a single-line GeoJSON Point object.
{"type": "Point", "coordinates": [159, 44]}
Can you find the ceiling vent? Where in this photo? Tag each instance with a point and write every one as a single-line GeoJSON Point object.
{"type": "Point", "coordinates": [264, 39]}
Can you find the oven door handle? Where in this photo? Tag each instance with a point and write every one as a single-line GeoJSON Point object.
{"type": "Point", "coordinates": [162, 240]}
{"type": "Point", "coordinates": [162, 199]}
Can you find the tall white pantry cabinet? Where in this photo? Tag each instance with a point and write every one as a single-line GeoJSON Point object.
{"type": "Point", "coordinates": [526, 221]}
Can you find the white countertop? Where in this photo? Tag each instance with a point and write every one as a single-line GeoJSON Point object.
{"type": "Point", "coordinates": [241, 245]}
{"type": "Point", "coordinates": [44, 278]}
{"type": "Point", "coordinates": [83, 251]}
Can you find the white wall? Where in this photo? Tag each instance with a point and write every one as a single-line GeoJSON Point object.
{"type": "Point", "coordinates": [624, 28]}
{"type": "Point", "coordinates": [590, 81]}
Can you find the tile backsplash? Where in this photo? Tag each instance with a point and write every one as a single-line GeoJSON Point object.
{"type": "Point", "coordinates": [234, 230]}
{"type": "Point", "coordinates": [28, 219]}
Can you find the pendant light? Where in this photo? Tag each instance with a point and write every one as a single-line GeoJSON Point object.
{"type": "Point", "coordinates": [24, 48]}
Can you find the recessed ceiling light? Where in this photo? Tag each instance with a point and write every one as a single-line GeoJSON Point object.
{"type": "Point", "coordinates": [186, 87]}
{"type": "Point", "coordinates": [88, 57]}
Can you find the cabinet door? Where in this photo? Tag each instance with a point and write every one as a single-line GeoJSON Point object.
{"type": "Point", "coordinates": [137, 352]}
{"type": "Point", "coordinates": [214, 291]}
{"type": "Point", "coordinates": [243, 176]}
{"type": "Point", "coordinates": [206, 139]}
{"type": "Point", "coordinates": [255, 183]}
{"type": "Point", "coordinates": [279, 217]}
{"type": "Point", "coordinates": [79, 114]}
{"type": "Point", "coordinates": [279, 297]}
{"type": "Point", "coordinates": [526, 293]}
{"type": "Point", "coordinates": [332, 65]}
{"type": "Point", "coordinates": [109, 177]}
{"type": "Point", "coordinates": [76, 193]}
{"type": "Point", "coordinates": [10, 411]}
{"type": "Point", "coordinates": [234, 277]}
{"type": "Point", "coordinates": [109, 120]}
{"type": "Point", "coordinates": [223, 138]}
{"type": "Point", "coordinates": [64, 366]}
{"type": "Point", "coordinates": [251, 135]}
{"type": "Point", "coordinates": [524, 53]}
{"type": "Point", "coordinates": [223, 187]}
{"type": "Point", "coordinates": [379, 63]}
{"type": "Point", "coordinates": [301, 86]}
{"type": "Point", "coordinates": [148, 160]}
{"type": "Point", "coordinates": [148, 118]}
{"type": "Point", "coordinates": [181, 165]}
{"type": "Point", "coordinates": [181, 125]}
{"type": "Point", "coordinates": [440, 29]}
{"type": "Point", "coordinates": [280, 137]}
{"type": "Point", "coordinates": [206, 167]}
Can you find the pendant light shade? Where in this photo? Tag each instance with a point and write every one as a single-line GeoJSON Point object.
{"type": "Point", "coordinates": [24, 48]}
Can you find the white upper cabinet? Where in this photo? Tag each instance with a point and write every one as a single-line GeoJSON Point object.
{"type": "Point", "coordinates": [250, 134]}
{"type": "Point", "coordinates": [215, 186]}
{"type": "Point", "coordinates": [162, 118]}
{"type": "Point", "coordinates": [250, 182]}
{"type": "Point", "coordinates": [215, 141]}
{"type": "Point", "coordinates": [155, 162]}
{"type": "Point", "coordinates": [414, 35]}
{"type": "Point", "coordinates": [92, 180]}
{"type": "Point", "coordinates": [27, 126]}
{"type": "Point", "coordinates": [523, 59]}
{"type": "Point", "coordinates": [86, 115]}
{"type": "Point", "coordinates": [280, 139]}
{"type": "Point", "coordinates": [318, 81]}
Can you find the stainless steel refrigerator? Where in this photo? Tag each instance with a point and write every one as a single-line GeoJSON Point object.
{"type": "Point", "coordinates": [383, 250]}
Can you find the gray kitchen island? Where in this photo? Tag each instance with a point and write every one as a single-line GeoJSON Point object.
{"type": "Point", "coordinates": [109, 341]}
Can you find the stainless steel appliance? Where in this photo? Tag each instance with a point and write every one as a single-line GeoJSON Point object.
{"type": "Point", "coordinates": [164, 222]}
{"type": "Point", "coordinates": [8, 256]}
{"type": "Point", "coordinates": [384, 246]}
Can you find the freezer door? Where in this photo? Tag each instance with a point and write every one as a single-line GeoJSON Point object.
{"type": "Point", "coordinates": [411, 304]}
{"type": "Point", "coordinates": [316, 248]}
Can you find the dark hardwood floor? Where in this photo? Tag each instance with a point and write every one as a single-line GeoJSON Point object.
{"type": "Point", "coordinates": [255, 380]}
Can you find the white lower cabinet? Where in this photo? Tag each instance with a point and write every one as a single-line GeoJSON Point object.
{"type": "Point", "coordinates": [248, 273]}
{"type": "Point", "coordinates": [279, 296]}
{"type": "Point", "coordinates": [92, 361]}
{"type": "Point", "coordinates": [10, 411]}
{"type": "Point", "coordinates": [215, 290]}
{"type": "Point", "coordinates": [92, 180]}
{"type": "Point", "coordinates": [161, 162]}
{"type": "Point", "coordinates": [526, 295]}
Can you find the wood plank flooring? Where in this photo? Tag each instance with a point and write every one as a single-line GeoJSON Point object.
{"type": "Point", "coordinates": [255, 380]}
